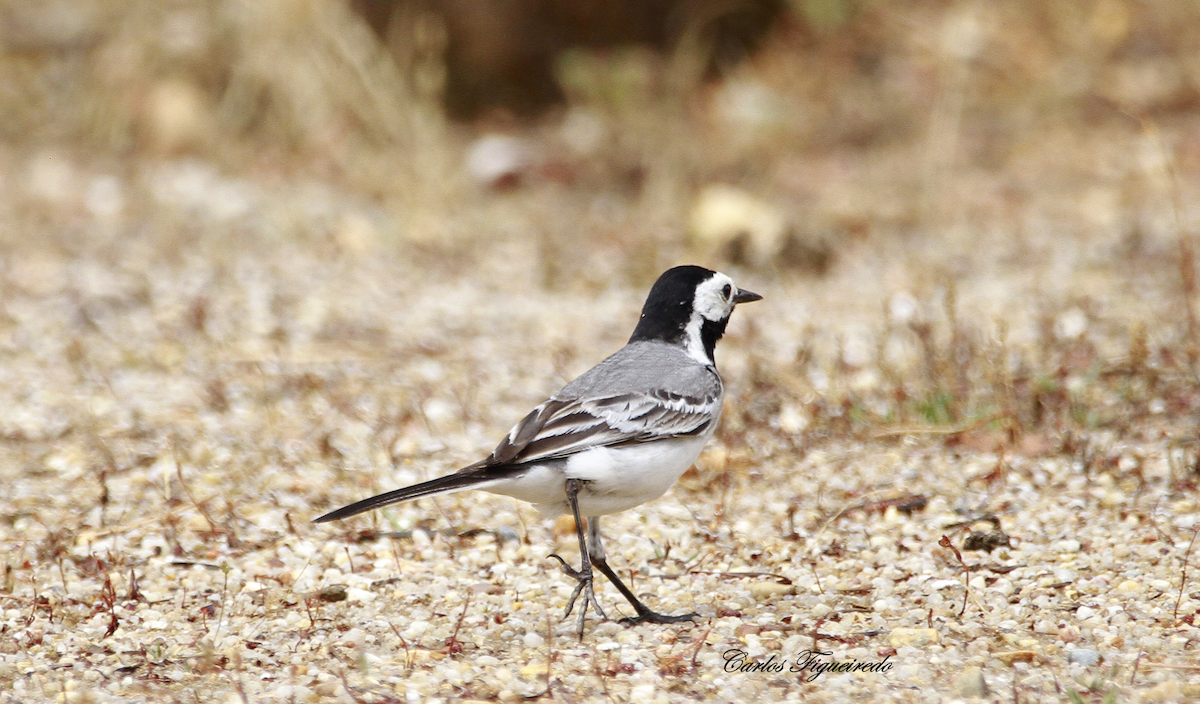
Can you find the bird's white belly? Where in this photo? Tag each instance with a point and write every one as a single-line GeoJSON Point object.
{"type": "Point", "coordinates": [619, 478]}
{"type": "Point", "coordinates": [615, 478]}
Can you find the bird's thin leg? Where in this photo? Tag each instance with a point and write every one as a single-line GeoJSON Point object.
{"type": "Point", "coordinates": [584, 574]}
{"type": "Point", "coordinates": [644, 614]}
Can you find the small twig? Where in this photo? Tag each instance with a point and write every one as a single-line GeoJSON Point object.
{"type": "Point", "coordinates": [407, 654]}
{"type": "Point", "coordinates": [346, 683]}
{"type": "Point", "coordinates": [453, 646]}
{"type": "Point", "coordinates": [549, 651]}
{"type": "Point", "coordinates": [212, 527]}
{"type": "Point", "coordinates": [134, 593]}
{"type": "Point", "coordinates": [224, 599]}
{"type": "Point", "coordinates": [1150, 517]}
{"type": "Point", "coordinates": [946, 543]}
{"type": "Point", "coordinates": [1135, 667]}
{"type": "Point", "coordinates": [1183, 572]}
{"type": "Point", "coordinates": [102, 476]}
{"type": "Point", "coordinates": [127, 527]}
{"type": "Point", "coordinates": [241, 686]}
{"type": "Point", "coordinates": [816, 634]}
{"type": "Point", "coordinates": [312, 622]}
{"type": "Point", "coordinates": [22, 599]}
{"type": "Point", "coordinates": [843, 510]}
{"type": "Point", "coordinates": [703, 640]}
{"type": "Point", "coordinates": [817, 576]}
{"type": "Point", "coordinates": [549, 660]}
{"type": "Point", "coordinates": [1169, 666]}
{"type": "Point", "coordinates": [988, 517]}
{"type": "Point", "coordinates": [725, 575]}
{"type": "Point", "coordinates": [602, 674]}
{"type": "Point", "coordinates": [703, 557]}
{"type": "Point", "coordinates": [109, 596]}
{"type": "Point", "coordinates": [926, 430]}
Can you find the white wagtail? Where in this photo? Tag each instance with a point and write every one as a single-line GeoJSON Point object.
{"type": "Point", "coordinates": [619, 435]}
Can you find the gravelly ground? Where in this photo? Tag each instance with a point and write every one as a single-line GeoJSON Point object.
{"type": "Point", "coordinates": [171, 422]}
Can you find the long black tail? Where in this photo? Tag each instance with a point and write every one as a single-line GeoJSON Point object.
{"type": "Point", "coordinates": [480, 478]}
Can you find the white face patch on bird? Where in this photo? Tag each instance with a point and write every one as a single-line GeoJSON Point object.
{"type": "Point", "coordinates": [714, 298]}
{"type": "Point", "coordinates": [712, 306]}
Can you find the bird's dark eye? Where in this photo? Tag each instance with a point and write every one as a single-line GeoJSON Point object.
{"type": "Point", "coordinates": [727, 290]}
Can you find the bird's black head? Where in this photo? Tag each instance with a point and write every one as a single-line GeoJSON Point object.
{"type": "Point", "coordinates": [690, 306]}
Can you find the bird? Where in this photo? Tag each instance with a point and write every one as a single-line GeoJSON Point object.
{"type": "Point", "coordinates": [617, 436]}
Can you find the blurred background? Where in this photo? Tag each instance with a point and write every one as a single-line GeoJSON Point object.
{"type": "Point", "coordinates": [603, 138]}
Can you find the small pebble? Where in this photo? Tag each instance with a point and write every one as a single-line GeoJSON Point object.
{"type": "Point", "coordinates": [334, 592]}
{"type": "Point", "coordinates": [1129, 587]}
{"type": "Point", "coordinates": [970, 684]}
{"type": "Point", "coordinates": [767, 590]}
{"type": "Point", "coordinates": [1068, 546]}
{"type": "Point", "coordinates": [914, 637]}
{"type": "Point", "coordinates": [534, 670]}
{"type": "Point", "coordinates": [1168, 691]}
{"type": "Point", "coordinates": [533, 640]}
{"type": "Point", "coordinates": [1084, 656]}
{"type": "Point", "coordinates": [358, 595]}
{"type": "Point", "coordinates": [986, 540]}
{"type": "Point", "coordinates": [1044, 626]}
{"type": "Point", "coordinates": [1016, 656]}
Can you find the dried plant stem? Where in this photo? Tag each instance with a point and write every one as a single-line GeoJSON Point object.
{"type": "Point", "coordinates": [946, 543]}
{"type": "Point", "coordinates": [1183, 573]}
{"type": "Point", "coordinates": [1187, 246]}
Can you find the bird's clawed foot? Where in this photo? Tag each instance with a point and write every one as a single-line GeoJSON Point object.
{"type": "Point", "coordinates": [648, 616]}
{"type": "Point", "coordinates": [585, 579]}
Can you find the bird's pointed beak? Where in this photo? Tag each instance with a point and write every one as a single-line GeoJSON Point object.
{"type": "Point", "coordinates": [744, 296]}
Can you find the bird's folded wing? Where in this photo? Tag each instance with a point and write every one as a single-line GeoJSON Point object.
{"type": "Point", "coordinates": [559, 428]}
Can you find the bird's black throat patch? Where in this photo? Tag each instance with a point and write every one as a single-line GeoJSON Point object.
{"type": "Point", "coordinates": [710, 332]}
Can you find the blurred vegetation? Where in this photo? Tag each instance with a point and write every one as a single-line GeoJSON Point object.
{"type": "Point", "coordinates": [303, 84]}
{"type": "Point", "coordinates": [929, 132]}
